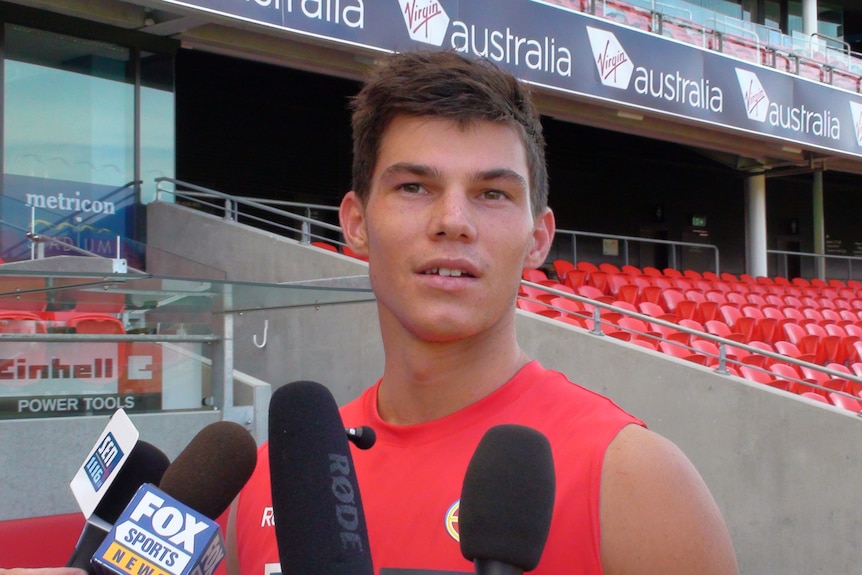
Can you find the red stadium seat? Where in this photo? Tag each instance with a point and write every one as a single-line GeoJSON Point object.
{"type": "Point", "coordinates": [562, 267]}
{"type": "Point", "coordinates": [534, 275]}
{"type": "Point", "coordinates": [845, 402]}
{"type": "Point", "coordinates": [12, 321]}
{"type": "Point", "coordinates": [325, 246]}
{"type": "Point", "coordinates": [39, 541]}
{"type": "Point", "coordinates": [670, 298]}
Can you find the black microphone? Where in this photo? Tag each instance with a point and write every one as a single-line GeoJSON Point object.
{"type": "Point", "coordinates": [507, 501]}
{"type": "Point", "coordinates": [362, 437]}
{"type": "Point", "coordinates": [319, 523]}
{"type": "Point", "coordinates": [146, 464]}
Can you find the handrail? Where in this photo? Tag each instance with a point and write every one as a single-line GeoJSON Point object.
{"type": "Point", "coordinates": [232, 203]}
{"type": "Point", "coordinates": [848, 259]}
{"type": "Point", "coordinates": [37, 239]}
{"type": "Point", "coordinates": [626, 239]}
{"type": "Point", "coordinates": [721, 343]}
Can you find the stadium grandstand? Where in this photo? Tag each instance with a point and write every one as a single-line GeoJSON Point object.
{"type": "Point", "coordinates": [169, 241]}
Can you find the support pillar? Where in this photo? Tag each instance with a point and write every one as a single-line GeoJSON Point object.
{"type": "Point", "coordinates": [755, 199]}
{"type": "Point", "coordinates": [819, 225]}
{"type": "Point", "coordinates": [809, 17]}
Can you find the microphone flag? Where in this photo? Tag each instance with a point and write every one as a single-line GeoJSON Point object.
{"type": "Point", "coordinates": [104, 461]}
{"type": "Point", "coordinates": [159, 535]}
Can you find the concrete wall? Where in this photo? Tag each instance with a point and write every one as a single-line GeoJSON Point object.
{"type": "Point", "coordinates": [782, 469]}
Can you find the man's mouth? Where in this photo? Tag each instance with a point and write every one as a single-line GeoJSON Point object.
{"type": "Point", "coordinates": [446, 272]}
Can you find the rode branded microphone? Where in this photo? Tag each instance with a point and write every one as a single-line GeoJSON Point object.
{"type": "Point", "coordinates": [145, 464]}
{"type": "Point", "coordinates": [319, 523]}
{"type": "Point", "coordinates": [507, 500]}
{"type": "Point", "coordinates": [171, 530]}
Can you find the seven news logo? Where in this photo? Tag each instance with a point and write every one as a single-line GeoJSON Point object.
{"type": "Point", "coordinates": [103, 461]}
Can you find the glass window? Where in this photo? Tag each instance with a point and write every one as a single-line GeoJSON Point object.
{"type": "Point", "coordinates": [157, 123]}
{"type": "Point", "coordinates": [72, 146]}
{"type": "Point", "coordinates": [68, 153]}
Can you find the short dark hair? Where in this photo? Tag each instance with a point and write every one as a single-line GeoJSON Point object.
{"type": "Point", "coordinates": [450, 86]}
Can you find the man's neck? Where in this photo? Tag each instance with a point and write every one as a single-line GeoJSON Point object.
{"type": "Point", "coordinates": [424, 381]}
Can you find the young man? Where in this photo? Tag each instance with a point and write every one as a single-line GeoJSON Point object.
{"type": "Point", "coordinates": [449, 205]}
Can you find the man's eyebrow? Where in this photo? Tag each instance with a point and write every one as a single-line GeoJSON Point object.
{"type": "Point", "coordinates": [400, 168]}
{"type": "Point", "coordinates": [422, 170]}
{"type": "Point", "coordinates": [502, 174]}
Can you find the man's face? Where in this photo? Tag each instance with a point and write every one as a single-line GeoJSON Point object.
{"type": "Point", "coordinates": [447, 227]}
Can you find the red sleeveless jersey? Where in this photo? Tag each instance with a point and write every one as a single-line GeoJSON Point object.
{"type": "Point", "coordinates": [410, 481]}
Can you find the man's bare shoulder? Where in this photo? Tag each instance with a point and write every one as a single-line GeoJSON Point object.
{"type": "Point", "coordinates": [657, 515]}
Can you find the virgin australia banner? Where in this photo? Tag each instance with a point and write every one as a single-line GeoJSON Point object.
{"type": "Point", "coordinates": [568, 51]}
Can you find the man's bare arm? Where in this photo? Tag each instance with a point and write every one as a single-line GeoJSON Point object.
{"type": "Point", "coordinates": [657, 515]}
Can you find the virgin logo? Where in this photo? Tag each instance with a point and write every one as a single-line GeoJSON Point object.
{"type": "Point", "coordinates": [753, 98]}
{"type": "Point", "coordinates": [613, 64]}
{"type": "Point", "coordinates": [753, 95]}
{"type": "Point", "coordinates": [426, 20]}
{"type": "Point", "coordinates": [856, 111]}
{"type": "Point", "coordinates": [609, 64]}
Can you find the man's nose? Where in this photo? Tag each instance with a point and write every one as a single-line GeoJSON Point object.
{"type": "Point", "coordinates": [453, 216]}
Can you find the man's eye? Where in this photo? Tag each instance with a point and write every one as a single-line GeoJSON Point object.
{"type": "Point", "coordinates": [493, 194]}
{"type": "Point", "coordinates": [411, 188]}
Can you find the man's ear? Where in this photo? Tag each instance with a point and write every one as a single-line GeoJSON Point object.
{"type": "Point", "coordinates": [543, 237]}
{"type": "Point", "coordinates": [351, 215]}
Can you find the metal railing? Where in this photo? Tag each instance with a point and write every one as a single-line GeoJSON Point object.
{"type": "Point", "coordinates": [783, 258]}
{"type": "Point", "coordinates": [305, 228]}
{"type": "Point", "coordinates": [599, 324]}
{"type": "Point", "coordinates": [674, 260]}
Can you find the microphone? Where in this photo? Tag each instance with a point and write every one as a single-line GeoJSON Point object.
{"type": "Point", "coordinates": [170, 530]}
{"type": "Point", "coordinates": [146, 464]}
{"type": "Point", "coordinates": [209, 473]}
{"type": "Point", "coordinates": [362, 437]}
{"type": "Point", "coordinates": [319, 523]}
{"type": "Point", "coordinates": [507, 501]}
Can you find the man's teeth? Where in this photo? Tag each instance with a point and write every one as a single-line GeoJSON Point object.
{"type": "Point", "coordinates": [445, 272]}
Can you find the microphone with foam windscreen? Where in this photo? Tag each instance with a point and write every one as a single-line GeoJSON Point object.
{"type": "Point", "coordinates": [362, 437]}
{"type": "Point", "coordinates": [146, 464]}
{"type": "Point", "coordinates": [209, 473]}
{"type": "Point", "coordinates": [170, 530]}
{"type": "Point", "coordinates": [507, 501]}
{"type": "Point", "coordinates": [319, 523]}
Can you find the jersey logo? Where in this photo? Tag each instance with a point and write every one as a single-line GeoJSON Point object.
{"type": "Point", "coordinates": [452, 521]}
